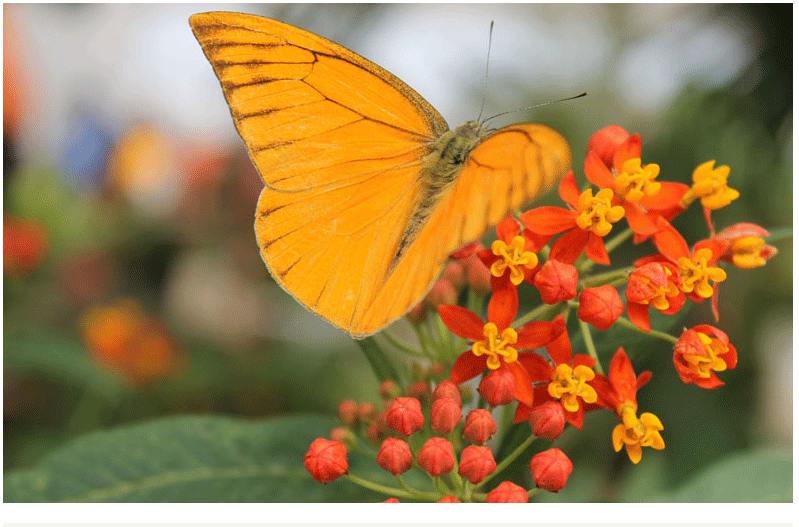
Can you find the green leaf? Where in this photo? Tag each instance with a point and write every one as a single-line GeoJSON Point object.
{"type": "Point", "coordinates": [61, 358]}
{"type": "Point", "coordinates": [752, 476]}
{"type": "Point", "coordinates": [189, 459]}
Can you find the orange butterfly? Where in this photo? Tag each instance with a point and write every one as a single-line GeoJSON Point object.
{"type": "Point", "coordinates": [367, 191]}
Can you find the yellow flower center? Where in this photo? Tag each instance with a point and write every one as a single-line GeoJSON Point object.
{"type": "Point", "coordinates": [597, 213]}
{"type": "Point", "coordinates": [659, 295]}
{"type": "Point", "coordinates": [636, 181]}
{"type": "Point", "coordinates": [710, 184]}
{"type": "Point", "coordinates": [703, 365]}
{"type": "Point", "coordinates": [696, 275]}
{"type": "Point", "coordinates": [746, 252]}
{"type": "Point", "coordinates": [496, 345]}
{"type": "Point", "coordinates": [514, 257]}
{"type": "Point", "coordinates": [635, 433]}
{"type": "Point", "coordinates": [568, 384]}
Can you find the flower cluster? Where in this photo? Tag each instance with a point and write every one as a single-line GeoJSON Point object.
{"type": "Point", "coordinates": [529, 363]}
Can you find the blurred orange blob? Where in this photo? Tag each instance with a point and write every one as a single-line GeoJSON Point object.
{"type": "Point", "coordinates": [25, 244]}
{"type": "Point", "coordinates": [123, 338]}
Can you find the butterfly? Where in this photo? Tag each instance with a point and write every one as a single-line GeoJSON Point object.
{"type": "Point", "coordinates": [366, 189]}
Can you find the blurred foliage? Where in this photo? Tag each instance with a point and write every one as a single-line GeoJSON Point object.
{"type": "Point", "coordinates": [191, 263]}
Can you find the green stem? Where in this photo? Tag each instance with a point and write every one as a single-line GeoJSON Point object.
{"type": "Point", "coordinates": [610, 246]}
{"type": "Point", "coordinates": [607, 277]}
{"type": "Point", "coordinates": [394, 341]}
{"type": "Point", "coordinates": [542, 312]}
{"type": "Point", "coordinates": [659, 334]}
{"type": "Point", "coordinates": [391, 491]}
{"type": "Point", "coordinates": [418, 493]}
{"type": "Point", "coordinates": [589, 345]}
{"type": "Point", "coordinates": [508, 460]}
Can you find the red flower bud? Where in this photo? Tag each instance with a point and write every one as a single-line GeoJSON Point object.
{"type": "Point", "coordinates": [455, 274]}
{"type": "Point", "coordinates": [344, 435]}
{"type": "Point", "coordinates": [375, 433]}
{"type": "Point", "coordinates": [326, 460]}
{"type": "Point", "coordinates": [443, 292]}
{"type": "Point", "coordinates": [556, 281]}
{"type": "Point", "coordinates": [600, 306]}
{"type": "Point", "coordinates": [389, 390]}
{"type": "Point", "coordinates": [477, 462]}
{"type": "Point", "coordinates": [395, 455]}
{"type": "Point", "coordinates": [366, 412]}
{"type": "Point", "coordinates": [551, 469]}
{"type": "Point", "coordinates": [606, 142]}
{"type": "Point", "coordinates": [417, 313]}
{"type": "Point", "coordinates": [479, 427]}
{"type": "Point", "coordinates": [466, 251]}
{"type": "Point", "coordinates": [548, 420]}
{"type": "Point", "coordinates": [478, 276]}
{"type": "Point", "coordinates": [449, 499]}
{"type": "Point", "coordinates": [445, 415]}
{"type": "Point", "coordinates": [448, 389]}
{"type": "Point", "coordinates": [348, 412]}
{"type": "Point", "coordinates": [436, 457]}
{"type": "Point", "coordinates": [420, 390]}
{"type": "Point", "coordinates": [405, 415]}
{"type": "Point", "coordinates": [498, 387]}
{"type": "Point", "coordinates": [391, 500]}
{"type": "Point", "coordinates": [507, 492]}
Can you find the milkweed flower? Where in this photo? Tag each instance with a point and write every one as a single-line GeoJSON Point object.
{"type": "Point", "coordinates": [617, 392]}
{"type": "Point", "coordinates": [326, 460]}
{"type": "Point", "coordinates": [702, 351]}
{"type": "Point", "coordinates": [556, 281]}
{"type": "Point", "coordinates": [507, 492]}
{"type": "Point", "coordinates": [653, 285]}
{"type": "Point", "coordinates": [436, 457]}
{"type": "Point", "coordinates": [496, 343]}
{"type": "Point", "coordinates": [479, 427]}
{"type": "Point", "coordinates": [584, 223]}
{"type": "Point", "coordinates": [477, 462]}
{"type": "Point", "coordinates": [551, 469]}
{"type": "Point", "coordinates": [25, 244]}
{"type": "Point", "coordinates": [567, 379]}
{"type": "Point", "coordinates": [600, 306]}
{"type": "Point", "coordinates": [395, 455]}
{"type": "Point", "coordinates": [747, 249]}
{"type": "Point", "coordinates": [710, 185]}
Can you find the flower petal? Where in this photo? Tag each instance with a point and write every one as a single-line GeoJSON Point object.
{"type": "Point", "coordinates": [569, 246]}
{"type": "Point", "coordinates": [539, 369]}
{"type": "Point", "coordinates": [524, 386]}
{"type": "Point", "coordinates": [568, 190]}
{"type": "Point", "coordinates": [629, 149]}
{"type": "Point", "coordinates": [462, 322]}
{"type": "Point", "coordinates": [504, 303]}
{"type": "Point", "coordinates": [467, 366]}
{"type": "Point", "coordinates": [595, 249]}
{"type": "Point", "coordinates": [597, 173]}
{"type": "Point", "coordinates": [548, 220]}
{"type": "Point", "coordinates": [507, 229]}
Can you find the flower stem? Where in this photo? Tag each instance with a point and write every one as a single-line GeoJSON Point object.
{"type": "Point", "coordinates": [589, 346]}
{"type": "Point", "coordinates": [391, 491]}
{"type": "Point", "coordinates": [394, 341]}
{"type": "Point", "coordinates": [658, 334]}
{"type": "Point", "coordinates": [607, 277]}
{"type": "Point", "coordinates": [542, 312]}
{"type": "Point", "coordinates": [508, 460]}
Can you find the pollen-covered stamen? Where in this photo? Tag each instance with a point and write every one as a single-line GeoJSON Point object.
{"type": "Point", "coordinates": [568, 384]}
{"type": "Point", "coordinates": [636, 181]}
{"type": "Point", "coordinates": [597, 213]}
{"type": "Point", "coordinates": [496, 346]}
{"type": "Point", "coordinates": [696, 275]}
{"type": "Point", "coordinates": [514, 257]}
{"type": "Point", "coordinates": [635, 433]}
{"type": "Point", "coordinates": [747, 252]}
{"type": "Point", "coordinates": [704, 364]}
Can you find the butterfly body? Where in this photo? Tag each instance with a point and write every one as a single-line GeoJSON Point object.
{"type": "Point", "coordinates": [366, 190]}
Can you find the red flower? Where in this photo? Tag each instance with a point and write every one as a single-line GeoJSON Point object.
{"type": "Point", "coordinates": [477, 462]}
{"type": "Point", "coordinates": [405, 415]}
{"type": "Point", "coordinates": [551, 469]}
{"type": "Point", "coordinates": [556, 281]}
{"type": "Point", "coordinates": [653, 284]}
{"type": "Point", "coordinates": [436, 457]}
{"type": "Point", "coordinates": [445, 414]}
{"type": "Point", "coordinates": [395, 455]}
{"type": "Point", "coordinates": [326, 460]}
{"type": "Point", "coordinates": [548, 420]}
{"type": "Point", "coordinates": [747, 248]}
{"type": "Point", "coordinates": [507, 492]}
{"type": "Point", "coordinates": [587, 220]}
{"type": "Point", "coordinates": [567, 381]}
{"type": "Point", "coordinates": [496, 343]}
{"type": "Point", "coordinates": [479, 427]}
{"type": "Point", "coordinates": [700, 352]}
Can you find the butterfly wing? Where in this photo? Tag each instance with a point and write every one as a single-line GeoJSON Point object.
{"type": "Point", "coordinates": [507, 169]}
{"type": "Point", "coordinates": [338, 142]}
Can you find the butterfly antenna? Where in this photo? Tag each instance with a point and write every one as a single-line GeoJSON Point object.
{"type": "Point", "coordinates": [585, 93]}
{"type": "Point", "coordinates": [485, 81]}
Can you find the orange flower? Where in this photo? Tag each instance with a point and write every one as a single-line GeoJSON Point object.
{"type": "Point", "coordinates": [123, 338]}
{"type": "Point", "coordinates": [700, 352]}
{"type": "Point", "coordinates": [496, 343]}
{"type": "Point", "coordinates": [747, 248]}
{"type": "Point", "coordinates": [25, 244]}
{"type": "Point", "coordinates": [653, 284]}
{"type": "Point", "coordinates": [584, 223]}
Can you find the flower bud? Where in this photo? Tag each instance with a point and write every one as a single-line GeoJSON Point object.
{"type": "Point", "coordinates": [405, 415]}
{"type": "Point", "coordinates": [448, 389]}
{"type": "Point", "coordinates": [443, 292]}
{"type": "Point", "coordinates": [600, 306]}
{"type": "Point", "coordinates": [606, 142]}
{"type": "Point", "coordinates": [389, 390]}
{"type": "Point", "coordinates": [344, 435]}
{"type": "Point", "coordinates": [391, 500]}
{"type": "Point", "coordinates": [548, 420]}
{"type": "Point", "coordinates": [417, 314]}
{"type": "Point", "coordinates": [507, 492]}
{"type": "Point", "coordinates": [420, 390]}
{"type": "Point", "coordinates": [326, 460]}
{"type": "Point", "coordinates": [395, 455]}
{"type": "Point", "coordinates": [498, 387]}
{"type": "Point", "coordinates": [477, 462]}
{"type": "Point", "coordinates": [479, 427]}
{"type": "Point", "coordinates": [449, 499]}
{"type": "Point", "coordinates": [556, 281]}
{"type": "Point", "coordinates": [445, 414]}
{"type": "Point", "coordinates": [478, 276]}
{"type": "Point", "coordinates": [551, 469]}
{"type": "Point", "coordinates": [436, 457]}
{"type": "Point", "coordinates": [455, 274]}
{"type": "Point", "coordinates": [375, 433]}
{"type": "Point", "coordinates": [366, 412]}
{"type": "Point", "coordinates": [348, 412]}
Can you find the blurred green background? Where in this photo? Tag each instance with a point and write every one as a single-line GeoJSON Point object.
{"type": "Point", "coordinates": [133, 286]}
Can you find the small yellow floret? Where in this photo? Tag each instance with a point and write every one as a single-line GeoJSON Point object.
{"type": "Point", "coordinates": [696, 275]}
{"type": "Point", "coordinates": [514, 257]}
{"type": "Point", "coordinates": [710, 184]}
{"type": "Point", "coordinates": [636, 181]}
{"type": "Point", "coordinates": [597, 213]}
{"type": "Point", "coordinates": [568, 384]}
{"type": "Point", "coordinates": [635, 433]}
{"type": "Point", "coordinates": [496, 346]}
